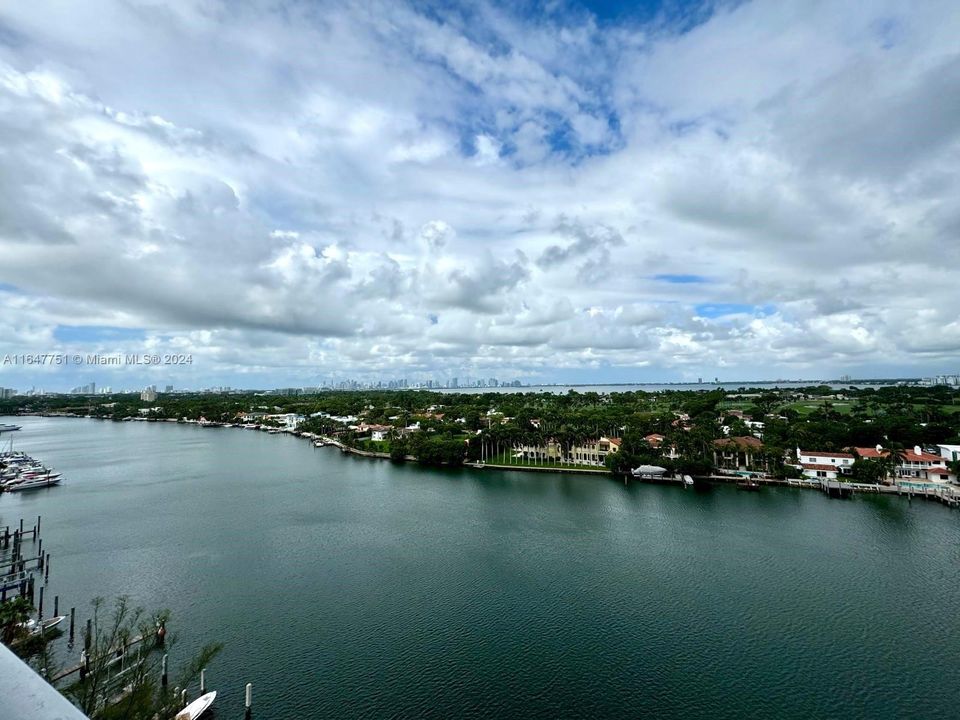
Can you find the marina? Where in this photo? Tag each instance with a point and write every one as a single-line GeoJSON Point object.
{"type": "Point", "coordinates": [19, 471]}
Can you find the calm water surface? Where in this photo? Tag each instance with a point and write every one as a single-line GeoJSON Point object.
{"type": "Point", "coordinates": [345, 587]}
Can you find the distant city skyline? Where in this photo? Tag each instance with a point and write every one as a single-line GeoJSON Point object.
{"type": "Point", "coordinates": [153, 391]}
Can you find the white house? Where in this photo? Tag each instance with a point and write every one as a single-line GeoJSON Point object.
{"type": "Point", "coordinates": [380, 432]}
{"type": "Point", "coordinates": [950, 453]}
{"type": "Point", "coordinates": [925, 466]}
{"type": "Point", "coordinates": [916, 465]}
{"type": "Point", "coordinates": [289, 421]}
{"type": "Point", "coordinates": [821, 465]}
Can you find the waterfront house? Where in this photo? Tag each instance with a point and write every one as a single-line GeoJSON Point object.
{"type": "Point", "coordinates": [921, 465]}
{"type": "Point", "coordinates": [590, 452]}
{"type": "Point", "coordinates": [821, 465]}
{"type": "Point", "coordinates": [915, 465]}
{"type": "Point", "coordinates": [287, 421]}
{"type": "Point", "coordinates": [738, 453]}
{"type": "Point", "coordinates": [379, 433]}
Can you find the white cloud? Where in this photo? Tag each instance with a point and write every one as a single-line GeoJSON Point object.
{"type": "Point", "coordinates": [367, 189]}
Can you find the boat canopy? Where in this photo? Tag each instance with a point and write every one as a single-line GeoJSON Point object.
{"type": "Point", "coordinates": [649, 470]}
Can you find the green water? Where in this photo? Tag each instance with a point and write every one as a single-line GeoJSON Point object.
{"type": "Point", "coordinates": [345, 587]}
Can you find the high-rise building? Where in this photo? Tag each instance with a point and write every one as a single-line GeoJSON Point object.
{"type": "Point", "coordinates": [149, 394]}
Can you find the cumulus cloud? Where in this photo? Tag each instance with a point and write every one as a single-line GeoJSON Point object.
{"type": "Point", "coordinates": [365, 189]}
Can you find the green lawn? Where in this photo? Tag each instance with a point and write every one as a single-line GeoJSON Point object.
{"type": "Point", "coordinates": [806, 407]}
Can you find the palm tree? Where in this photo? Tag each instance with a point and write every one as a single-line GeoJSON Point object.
{"type": "Point", "coordinates": [899, 457]}
{"type": "Point", "coordinates": [890, 462]}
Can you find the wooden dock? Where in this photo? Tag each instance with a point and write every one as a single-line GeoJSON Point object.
{"type": "Point", "coordinates": [116, 652]}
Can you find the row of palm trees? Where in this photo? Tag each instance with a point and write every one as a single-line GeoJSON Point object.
{"type": "Point", "coordinates": [518, 446]}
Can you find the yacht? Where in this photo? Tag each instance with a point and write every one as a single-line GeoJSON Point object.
{"type": "Point", "coordinates": [32, 483]}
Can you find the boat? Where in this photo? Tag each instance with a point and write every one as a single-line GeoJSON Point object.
{"type": "Point", "coordinates": [36, 627]}
{"type": "Point", "coordinates": [197, 707]}
{"type": "Point", "coordinates": [4, 427]}
{"type": "Point", "coordinates": [747, 484]}
{"type": "Point", "coordinates": [31, 484]}
{"type": "Point", "coordinates": [648, 471]}
{"type": "Point", "coordinates": [687, 481]}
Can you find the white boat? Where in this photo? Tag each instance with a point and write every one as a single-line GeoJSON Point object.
{"type": "Point", "coordinates": [649, 471]}
{"type": "Point", "coordinates": [35, 627]}
{"type": "Point", "coordinates": [197, 707]}
{"type": "Point", "coordinates": [40, 482]}
{"type": "Point", "coordinates": [687, 481]}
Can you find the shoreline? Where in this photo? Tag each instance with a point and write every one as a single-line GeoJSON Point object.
{"type": "Point", "coordinates": [844, 489]}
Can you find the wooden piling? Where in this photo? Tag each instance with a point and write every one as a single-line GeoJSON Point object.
{"type": "Point", "coordinates": [163, 672]}
{"type": "Point", "coordinates": [203, 681]}
{"type": "Point", "coordinates": [73, 617]}
{"type": "Point", "coordinates": [88, 637]}
{"type": "Point", "coordinates": [56, 605]}
{"type": "Point", "coordinates": [38, 524]}
{"type": "Point", "coordinates": [248, 701]}
{"type": "Point", "coordinates": [40, 605]}
{"type": "Point", "coordinates": [46, 568]}
{"type": "Point", "coordinates": [183, 698]}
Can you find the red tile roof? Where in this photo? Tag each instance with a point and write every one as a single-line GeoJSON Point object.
{"type": "Point", "coordinates": [747, 442]}
{"type": "Point", "coordinates": [817, 453]}
{"type": "Point", "coordinates": [909, 455]}
{"type": "Point", "coordinates": [818, 466]}
{"type": "Point", "coordinates": [924, 457]}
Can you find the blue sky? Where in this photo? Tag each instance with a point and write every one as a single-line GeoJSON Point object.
{"type": "Point", "coordinates": [300, 192]}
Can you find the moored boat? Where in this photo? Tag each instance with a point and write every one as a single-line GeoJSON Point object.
{"type": "Point", "coordinates": [33, 483]}
{"type": "Point", "coordinates": [648, 471]}
{"type": "Point", "coordinates": [197, 707]}
{"type": "Point", "coordinates": [35, 627]}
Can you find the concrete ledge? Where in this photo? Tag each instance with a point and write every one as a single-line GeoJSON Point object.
{"type": "Point", "coordinates": [24, 695]}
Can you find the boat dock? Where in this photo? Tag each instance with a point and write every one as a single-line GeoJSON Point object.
{"type": "Point", "coordinates": [16, 570]}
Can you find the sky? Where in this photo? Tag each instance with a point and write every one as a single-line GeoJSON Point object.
{"type": "Point", "coordinates": [298, 192]}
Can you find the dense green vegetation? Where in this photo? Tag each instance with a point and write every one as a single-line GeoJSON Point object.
{"type": "Point", "coordinates": [102, 692]}
{"type": "Point", "coordinates": [454, 427]}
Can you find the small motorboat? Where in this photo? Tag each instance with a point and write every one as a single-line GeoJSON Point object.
{"type": "Point", "coordinates": [197, 707]}
{"type": "Point", "coordinates": [687, 481]}
{"type": "Point", "coordinates": [35, 627]}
